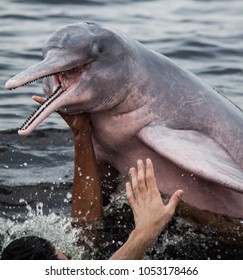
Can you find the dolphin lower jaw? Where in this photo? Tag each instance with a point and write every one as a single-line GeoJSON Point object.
{"type": "Point", "coordinates": [32, 118]}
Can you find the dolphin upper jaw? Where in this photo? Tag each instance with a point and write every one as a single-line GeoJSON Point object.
{"type": "Point", "coordinates": [63, 81]}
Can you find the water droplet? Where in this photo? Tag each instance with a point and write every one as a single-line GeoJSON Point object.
{"type": "Point", "coordinates": [68, 195]}
{"type": "Point", "coordinates": [39, 209]}
{"type": "Point", "coordinates": [21, 200]}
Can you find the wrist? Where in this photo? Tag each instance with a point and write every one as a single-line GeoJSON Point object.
{"type": "Point", "coordinates": [145, 236]}
{"type": "Point", "coordinates": [135, 247]}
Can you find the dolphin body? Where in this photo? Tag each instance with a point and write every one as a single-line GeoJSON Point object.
{"type": "Point", "coordinates": [143, 105]}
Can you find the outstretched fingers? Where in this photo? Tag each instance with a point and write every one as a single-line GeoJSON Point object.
{"type": "Point", "coordinates": [142, 183]}
{"type": "Point", "coordinates": [150, 177]}
{"type": "Point", "coordinates": [134, 181]}
{"type": "Point", "coordinates": [149, 211]}
{"type": "Point", "coordinates": [138, 181]}
{"type": "Point", "coordinates": [130, 194]}
{"type": "Point", "coordinates": [141, 177]}
{"type": "Point", "coordinates": [174, 201]}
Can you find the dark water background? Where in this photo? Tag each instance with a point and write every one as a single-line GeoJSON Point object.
{"type": "Point", "coordinates": [205, 37]}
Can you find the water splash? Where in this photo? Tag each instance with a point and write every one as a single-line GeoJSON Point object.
{"type": "Point", "coordinates": [180, 240]}
{"type": "Point", "coordinates": [56, 228]}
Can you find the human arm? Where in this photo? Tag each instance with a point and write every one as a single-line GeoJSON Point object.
{"type": "Point", "coordinates": [151, 215]}
{"type": "Point", "coordinates": [87, 202]}
{"type": "Point", "coordinates": [87, 198]}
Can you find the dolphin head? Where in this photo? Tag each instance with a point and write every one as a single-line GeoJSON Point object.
{"type": "Point", "coordinates": [84, 69]}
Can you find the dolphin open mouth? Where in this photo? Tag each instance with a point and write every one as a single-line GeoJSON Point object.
{"type": "Point", "coordinates": [63, 81]}
{"type": "Point", "coordinates": [41, 108]}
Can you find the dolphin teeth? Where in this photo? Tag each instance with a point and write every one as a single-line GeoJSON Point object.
{"type": "Point", "coordinates": [58, 91]}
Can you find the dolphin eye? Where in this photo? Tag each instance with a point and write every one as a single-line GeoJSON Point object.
{"type": "Point", "coordinates": [96, 48]}
{"type": "Point", "coordinates": [103, 45]}
{"type": "Point", "coordinates": [100, 49]}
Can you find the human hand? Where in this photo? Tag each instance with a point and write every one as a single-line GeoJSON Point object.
{"type": "Point", "coordinates": [78, 123]}
{"type": "Point", "coordinates": [151, 215]}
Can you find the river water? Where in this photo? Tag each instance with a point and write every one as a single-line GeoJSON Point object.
{"type": "Point", "coordinates": [205, 37]}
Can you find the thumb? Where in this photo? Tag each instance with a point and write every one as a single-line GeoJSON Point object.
{"type": "Point", "coordinates": [38, 99]}
{"type": "Point", "coordinates": [175, 199]}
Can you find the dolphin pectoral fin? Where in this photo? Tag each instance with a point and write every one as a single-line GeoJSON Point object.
{"type": "Point", "coordinates": [195, 152]}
